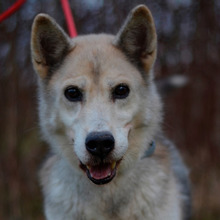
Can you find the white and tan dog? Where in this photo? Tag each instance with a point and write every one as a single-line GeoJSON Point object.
{"type": "Point", "coordinates": [100, 113]}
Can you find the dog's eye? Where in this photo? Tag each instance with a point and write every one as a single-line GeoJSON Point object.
{"type": "Point", "coordinates": [120, 92]}
{"type": "Point", "coordinates": [73, 94]}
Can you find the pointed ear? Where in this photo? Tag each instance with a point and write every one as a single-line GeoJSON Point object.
{"type": "Point", "coordinates": [137, 38]}
{"type": "Point", "coordinates": [49, 44]}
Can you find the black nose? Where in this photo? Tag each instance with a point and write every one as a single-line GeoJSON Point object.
{"type": "Point", "coordinates": [100, 143]}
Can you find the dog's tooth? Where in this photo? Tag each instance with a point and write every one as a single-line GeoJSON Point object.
{"type": "Point", "coordinates": [113, 165]}
{"type": "Point", "coordinates": [88, 167]}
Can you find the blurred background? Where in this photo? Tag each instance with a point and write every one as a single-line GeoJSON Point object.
{"type": "Point", "coordinates": [189, 45]}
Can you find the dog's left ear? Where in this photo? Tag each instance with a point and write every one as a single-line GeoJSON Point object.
{"type": "Point", "coordinates": [137, 38]}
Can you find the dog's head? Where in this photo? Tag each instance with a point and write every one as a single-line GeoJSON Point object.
{"type": "Point", "coordinates": [97, 102]}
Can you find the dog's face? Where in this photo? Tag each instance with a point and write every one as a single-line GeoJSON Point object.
{"type": "Point", "coordinates": [97, 100]}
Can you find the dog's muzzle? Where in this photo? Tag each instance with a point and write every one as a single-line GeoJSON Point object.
{"type": "Point", "coordinates": [100, 145]}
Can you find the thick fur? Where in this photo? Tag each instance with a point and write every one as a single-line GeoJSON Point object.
{"type": "Point", "coordinates": [144, 188]}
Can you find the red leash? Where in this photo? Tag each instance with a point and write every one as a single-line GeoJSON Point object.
{"type": "Point", "coordinates": [11, 10]}
{"type": "Point", "coordinates": [69, 18]}
{"type": "Point", "coordinates": [66, 9]}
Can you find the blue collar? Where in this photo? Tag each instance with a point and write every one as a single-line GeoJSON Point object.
{"type": "Point", "coordinates": [149, 152]}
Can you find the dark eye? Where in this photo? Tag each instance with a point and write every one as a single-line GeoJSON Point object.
{"type": "Point", "coordinates": [73, 94]}
{"type": "Point", "coordinates": [120, 92]}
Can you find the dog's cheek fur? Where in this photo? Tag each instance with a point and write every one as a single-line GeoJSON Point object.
{"type": "Point", "coordinates": [141, 113]}
{"type": "Point", "coordinates": [146, 123]}
{"type": "Point", "coordinates": [56, 121]}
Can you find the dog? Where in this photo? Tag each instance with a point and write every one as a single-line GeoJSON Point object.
{"type": "Point", "coordinates": [101, 115]}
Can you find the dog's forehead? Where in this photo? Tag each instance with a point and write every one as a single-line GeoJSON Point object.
{"type": "Point", "coordinates": [96, 56]}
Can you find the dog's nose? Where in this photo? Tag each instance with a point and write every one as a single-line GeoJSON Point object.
{"type": "Point", "coordinates": [100, 143]}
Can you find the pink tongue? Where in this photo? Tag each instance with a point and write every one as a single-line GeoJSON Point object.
{"type": "Point", "coordinates": [100, 172]}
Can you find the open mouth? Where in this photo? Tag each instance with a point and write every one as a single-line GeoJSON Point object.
{"type": "Point", "coordinates": [102, 173]}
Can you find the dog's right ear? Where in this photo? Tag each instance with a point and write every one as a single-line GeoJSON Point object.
{"type": "Point", "coordinates": [49, 44]}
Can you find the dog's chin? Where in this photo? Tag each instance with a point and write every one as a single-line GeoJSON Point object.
{"type": "Point", "coordinates": [102, 173]}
